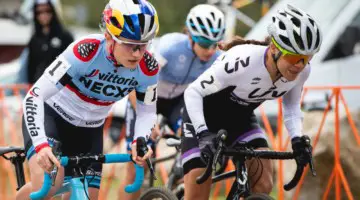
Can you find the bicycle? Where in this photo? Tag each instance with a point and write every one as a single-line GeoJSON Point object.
{"type": "Point", "coordinates": [240, 153]}
{"type": "Point", "coordinates": [77, 185]}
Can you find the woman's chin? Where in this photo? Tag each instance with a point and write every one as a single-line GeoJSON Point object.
{"type": "Point", "coordinates": [131, 64]}
{"type": "Point", "coordinates": [290, 76]}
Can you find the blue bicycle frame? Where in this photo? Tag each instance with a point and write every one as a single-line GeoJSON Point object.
{"type": "Point", "coordinates": [76, 186]}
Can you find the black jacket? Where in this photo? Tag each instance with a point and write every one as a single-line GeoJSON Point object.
{"type": "Point", "coordinates": [43, 49]}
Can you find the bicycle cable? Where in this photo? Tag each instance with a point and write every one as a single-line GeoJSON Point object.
{"type": "Point", "coordinates": [85, 179]}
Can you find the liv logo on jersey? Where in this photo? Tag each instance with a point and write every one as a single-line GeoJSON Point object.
{"type": "Point", "coordinates": [230, 69]}
{"type": "Point", "coordinates": [274, 93]}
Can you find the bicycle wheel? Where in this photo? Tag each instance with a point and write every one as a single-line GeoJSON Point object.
{"type": "Point", "coordinates": [258, 196]}
{"type": "Point", "coordinates": [158, 193]}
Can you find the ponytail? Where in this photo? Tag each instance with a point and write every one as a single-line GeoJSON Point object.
{"type": "Point", "coordinates": [239, 41]}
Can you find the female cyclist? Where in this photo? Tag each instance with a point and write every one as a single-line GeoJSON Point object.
{"type": "Point", "coordinates": [183, 58]}
{"type": "Point", "coordinates": [247, 74]}
{"type": "Point", "coordinates": [71, 100]}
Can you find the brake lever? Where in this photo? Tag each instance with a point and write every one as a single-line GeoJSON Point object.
{"type": "Point", "coordinates": [220, 139]}
{"type": "Point", "coordinates": [311, 161]}
{"type": "Point", "coordinates": [57, 152]}
{"type": "Point", "coordinates": [142, 149]}
{"type": "Point", "coordinates": [312, 167]}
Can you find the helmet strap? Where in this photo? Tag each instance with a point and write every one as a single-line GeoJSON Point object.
{"type": "Point", "coordinates": [111, 55]}
{"type": "Point", "coordinates": [275, 58]}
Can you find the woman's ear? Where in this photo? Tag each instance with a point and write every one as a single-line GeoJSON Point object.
{"type": "Point", "coordinates": [189, 37]}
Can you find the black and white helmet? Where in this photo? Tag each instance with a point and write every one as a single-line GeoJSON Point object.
{"type": "Point", "coordinates": [206, 21]}
{"type": "Point", "coordinates": [295, 31]}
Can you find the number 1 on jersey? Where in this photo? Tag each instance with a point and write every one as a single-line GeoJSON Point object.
{"type": "Point", "coordinates": [51, 72]}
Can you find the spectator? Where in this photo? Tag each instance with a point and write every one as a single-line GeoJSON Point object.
{"type": "Point", "coordinates": [50, 38]}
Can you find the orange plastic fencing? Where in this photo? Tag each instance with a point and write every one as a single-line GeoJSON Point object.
{"type": "Point", "coordinates": [337, 176]}
{"type": "Point", "coordinates": [9, 135]}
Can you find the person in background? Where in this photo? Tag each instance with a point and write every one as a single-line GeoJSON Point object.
{"type": "Point", "coordinates": [183, 57]}
{"type": "Point", "coordinates": [48, 41]}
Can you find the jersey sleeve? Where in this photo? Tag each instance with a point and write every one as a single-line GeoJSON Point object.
{"type": "Point", "coordinates": [219, 76]}
{"type": "Point", "coordinates": [292, 107]}
{"type": "Point", "coordinates": [60, 72]}
{"type": "Point", "coordinates": [146, 96]}
{"type": "Point", "coordinates": [46, 86]}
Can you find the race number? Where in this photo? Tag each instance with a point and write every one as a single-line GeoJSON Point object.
{"type": "Point", "coordinates": [150, 94]}
{"type": "Point", "coordinates": [57, 69]}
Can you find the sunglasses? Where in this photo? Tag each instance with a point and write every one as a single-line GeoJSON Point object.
{"type": "Point", "coordinates": [204, 43]}
{"type": "Point", "coordinates": [291, 57]}
{"type": "Point", "coordinates": [131, 46]}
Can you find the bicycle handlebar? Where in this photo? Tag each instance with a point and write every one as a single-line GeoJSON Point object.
{"type": "Point", "coordinates": [245, 152]}
{"type": "Point", "coordinates": [79, 160]}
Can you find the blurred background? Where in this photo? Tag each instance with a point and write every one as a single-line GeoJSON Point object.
{"type": "Point", "coordinates": [337, 64]}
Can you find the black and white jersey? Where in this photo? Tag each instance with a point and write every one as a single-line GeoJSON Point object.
{"type": "Point", "coordinates": [236, 84]}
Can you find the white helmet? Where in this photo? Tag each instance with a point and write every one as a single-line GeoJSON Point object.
{"type": "Point", "coordinates": [206, 21]}
{"type": "Point", "coordinates": [295, 31]}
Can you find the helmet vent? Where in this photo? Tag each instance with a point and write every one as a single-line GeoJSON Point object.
{"type": "Point", "coordinates": [129, 22]}
{"type": "Point", "coordinates": [115, 22]}
{"type": "Point", "coordinates": [298, 40]}
{"type": "Point", "coordinates": [297, 12]}
{"type": "Point", "coordinates": [151, 23]}
{"type": "Point", "coordinates": [312, 22]}
{"type": "Point", "coordinates": [213, 15]}
{"type": "Point", "coordinates": [295, 21]}
{"type": "Point", "coordinates": [317, 39]}
{"type": "Point", "coordinates": [309, 36]}
{"type": "Point", "coordinates": [210, 24]}
{"type": "Point", "coordinates": [282, 25]}
{"type": "Point", "coordinates": [285, 40]}
{"type": "Point", "coordinates": [192, 25]}
{"type": "Point", "coordinates": [219, 24]}
{"type": "Point", "coordinates": [202, 26]}
{"type": "Point", "coordinates": [142, 22]}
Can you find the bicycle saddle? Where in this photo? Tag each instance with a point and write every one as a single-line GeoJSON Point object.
{"type": "Point", "coordinates": [5, 150]}
{"type": "Point", "coordinates": [171, 142]}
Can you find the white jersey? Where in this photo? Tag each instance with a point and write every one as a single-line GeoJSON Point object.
{"type": "Point", "coordinates": [241, 78]}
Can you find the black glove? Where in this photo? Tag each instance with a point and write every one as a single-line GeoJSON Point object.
{"type": "Point", "coordinates": [207, 145]}
{"type": "Point", "coordinates": [302, 150]}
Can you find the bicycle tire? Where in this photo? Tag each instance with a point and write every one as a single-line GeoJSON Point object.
{"type": "Point", "coordinates": [158, 193]}
{"type": "Point", "coordinates": [259, 196]}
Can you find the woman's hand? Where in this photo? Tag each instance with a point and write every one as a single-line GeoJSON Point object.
{"type": "Point", "coordinates": [46, 159]}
